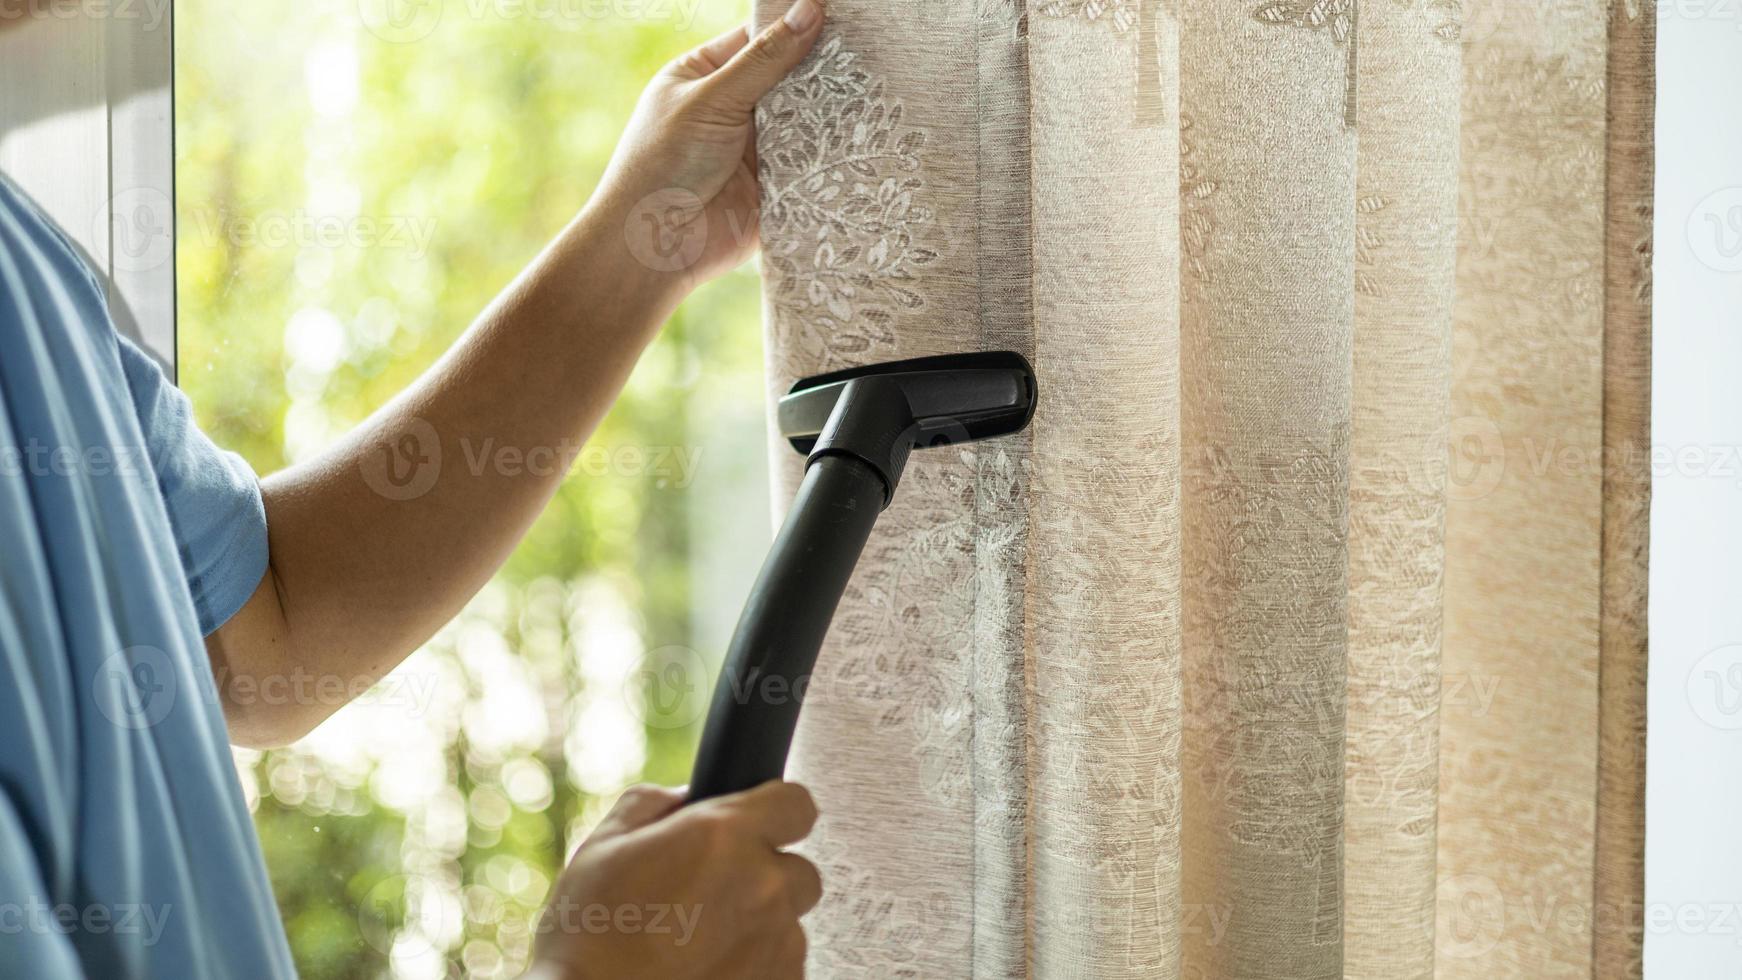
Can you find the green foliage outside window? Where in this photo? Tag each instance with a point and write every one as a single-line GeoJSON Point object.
{"type": "Point", "coordinates": [351, 190]}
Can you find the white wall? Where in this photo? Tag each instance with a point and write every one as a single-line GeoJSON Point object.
{"type": "Point", "coordinates": [1694, 757]}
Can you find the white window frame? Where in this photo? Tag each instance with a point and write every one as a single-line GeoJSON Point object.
{"type": "Point", "coordinates": [87, 131]}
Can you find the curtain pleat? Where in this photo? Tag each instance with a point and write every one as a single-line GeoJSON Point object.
{"type": "Point", "coordinates": [1266, 334]}
{"type": "Point", "coordinates": [1618, 941]}
{"type": "Point", "coordinates": [1302, 634]}
{"type": "Point", "coordinates": [1103, 629]}
{"type": "Point", "coordinates": [1405, 258]}
{"type": "Point", "coordinates": [1526, 559]}
{"type": "Point", "coordinates": [916, 715]}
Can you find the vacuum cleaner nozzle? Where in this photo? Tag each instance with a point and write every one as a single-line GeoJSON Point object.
{"type": "Point", "coordinates": [857, 426]}
{"type": "Point", "coordinates": [880, 412]}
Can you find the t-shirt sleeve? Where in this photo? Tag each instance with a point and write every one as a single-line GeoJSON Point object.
{"type": "Point", "coordinates": [213, 497]}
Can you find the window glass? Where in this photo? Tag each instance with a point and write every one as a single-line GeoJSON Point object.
{"type": "Point", "coordinates": [355, 180]}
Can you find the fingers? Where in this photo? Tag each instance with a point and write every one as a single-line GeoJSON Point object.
{"type": "Point", "coordinates": [785, 956]}
{"type": "Point", "coordinates": [776, 955]}
{"type": "Point", "coordinates": [708, 58]}
{"type": "Point", "coordinates": [638, 807]}
{"type": "Point", "coordinates": [803, 882]}
{"type": "Point", "coordinates": [781, 813]}
{"type": "Point", "coordinates": [755, 67]}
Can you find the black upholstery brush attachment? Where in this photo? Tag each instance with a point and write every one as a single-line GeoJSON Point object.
{"type": "Point", "coordinates": [856, 428]}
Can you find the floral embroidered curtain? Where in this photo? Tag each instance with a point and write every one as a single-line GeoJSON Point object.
{"type": "Point", "coordinates": [1302, 635]}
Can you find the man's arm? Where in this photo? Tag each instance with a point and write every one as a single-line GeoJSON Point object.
{"type": "Point", "coordinates": [378, 542]}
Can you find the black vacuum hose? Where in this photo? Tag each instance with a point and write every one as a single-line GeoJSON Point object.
{"type": "Point", "coordinates": [856, 428]}
{"type": "Point", "coordinates": [774, 648]}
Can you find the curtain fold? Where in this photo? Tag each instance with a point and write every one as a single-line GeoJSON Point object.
{"type": "Point", "coordinates": [1302, 634]}
{"type": "Point", "coordinates": [1405, 259]}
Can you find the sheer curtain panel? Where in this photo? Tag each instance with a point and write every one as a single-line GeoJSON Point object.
{"type": "Point", "coordinates": [1302, 635]}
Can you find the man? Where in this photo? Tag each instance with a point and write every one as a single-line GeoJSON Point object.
{"type": "Point", "coordinates": [126, 537]}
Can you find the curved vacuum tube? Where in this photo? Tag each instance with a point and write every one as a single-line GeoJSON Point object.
{"type": "Point", "coordinates": [857, 428]}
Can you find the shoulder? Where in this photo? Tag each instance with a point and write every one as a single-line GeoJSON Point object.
{"type": "Point", "coordinates": [51, 300]}
{"type": "Point", "coordinates": [30, 235]}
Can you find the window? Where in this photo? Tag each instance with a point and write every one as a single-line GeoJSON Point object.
{"type": "Point", "coordinates": [346, 202]}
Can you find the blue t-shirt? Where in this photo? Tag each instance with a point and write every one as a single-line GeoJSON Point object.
{"type": "Point", "coordinates": [126, 849]}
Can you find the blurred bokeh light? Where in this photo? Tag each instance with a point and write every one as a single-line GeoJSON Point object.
{"type": "Point", "coordinates": [355, 180]}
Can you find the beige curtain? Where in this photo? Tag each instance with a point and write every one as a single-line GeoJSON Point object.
{"type": "Point", "coordinates": [1302, 635]}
